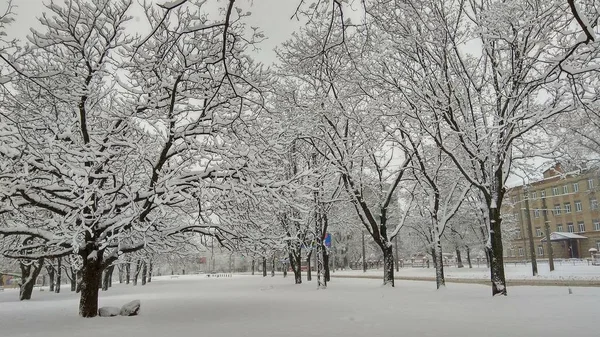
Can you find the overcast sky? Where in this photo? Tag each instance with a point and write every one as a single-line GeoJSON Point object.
{"type": "Point", "coordinates": [271, 16]}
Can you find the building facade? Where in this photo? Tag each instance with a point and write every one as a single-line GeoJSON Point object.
{"type": "Point", "coordinates": [563, 203]}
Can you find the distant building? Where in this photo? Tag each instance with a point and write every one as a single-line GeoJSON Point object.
{"type": "Point", "coordinates": [572, 212]}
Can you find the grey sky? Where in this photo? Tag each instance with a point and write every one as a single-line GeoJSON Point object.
{"type": "Point", "coordinates": [271, 16]}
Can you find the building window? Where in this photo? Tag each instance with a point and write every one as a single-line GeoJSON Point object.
{"type": "Point", "coordinates": [575, 187]}
{"type": "Point", "coordinates": [598, 245]}
{"type": "Point", "coordinates": [533, 195]}
{"type": "Point", "coordinates": [556, 209]}
{"type": "Point", "coordinates": [591, 184]}
{"type": "Point", "coordinates": [536, 213]}
{"type": "Point", "coordinates": [578, 207]}
{"type": "Point", "coordinates": [554, 190]}
{"type": "Point", "coordinates": [594, 203]}
{"type": "Point", "coordinates": [559, 228]}
{"type": "Point", "coordinates": [570, 227]}
{"type": "Point", "coordinates": [568, 207]}
{"type": "Point", "coordinates": [540, 250]}
{"type": "Point", "coordinates": [581, 226]}
{"type": "Point", "coordinates": [596, 225]}
{"type": "Point", "coordinates": [566, 189]}
{"type": "Point", "coordinates": [543, 193]}
{"type": "Point", "coordinates": [512, 252]}
{"type": "Point", "coordinates": [519, 233]}
{"type": "Point", "coordinates": [538, 232]}
{"type": "Point", "coordinates": [521, 251]}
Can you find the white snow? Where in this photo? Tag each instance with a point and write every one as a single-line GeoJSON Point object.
{"type": "Point", "coordinates": [257, 306]}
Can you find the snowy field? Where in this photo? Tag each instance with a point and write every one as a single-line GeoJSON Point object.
{"type": "Point", "coordinates": [562, 271]}
{"type": "Point", "coordinates": [257, 306]}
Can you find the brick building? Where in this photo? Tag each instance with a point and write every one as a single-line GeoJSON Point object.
{"type": "Point", "coordinates": [573, 216]}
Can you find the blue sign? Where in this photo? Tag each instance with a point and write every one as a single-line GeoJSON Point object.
{"type": "Point", "coordinates": [328, 240]}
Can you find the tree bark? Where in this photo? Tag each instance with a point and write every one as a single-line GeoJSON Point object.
{"type": "Point", "coordinates": [58, 275]}
{"type": "Point", "coordinates": [264, 266]}
{"type": "Point", "coordinates": [73, 279]}
{"type": "Point", "coordinates": [91, 275]}
{"type": "Point", "coordinates": [29, 274]}
{"type": "Point", "coordinates": [144, 272]}
{"type": "Point", "coordinates": [127, 272]}
{"type": "Point", "coordinates": [296, 264]}
{"type": "Point", "coordinates": [253, 266]}
{"type": "Point", "coordinates": [50, 269]}
{"type": "Point", "coordinates": [326, 271]}
{"type": "Point", "coordinates": [149, 271]}
{"type": "Point", "coordinates": [105, 279]}
{"type": "Point", "coordinates": [438, 262]}
{"type": "Point", "coordinates": [78, 280]}
{"type": "Point", "coordinates": [308, 269]}
{"type": "Point", "coordinates": [136, 274]}
{"type": "Point", "coordinates": [273, 266]}
{"type": "Point", "coordinates": [388, 265]}
{"type": "Point", "coordinates": [459, 262]}
{"type": "Point", "coordinates": [496, 258]}
{"type": "Point", "coordinates": [468, 249]}
{"type": "Point", "coordinates": [120, 270]}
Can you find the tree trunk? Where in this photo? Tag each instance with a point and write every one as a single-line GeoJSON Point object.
{"type": "Point", "coordinates": [29, 274]}
{"type": "Point", "coordinates": [296, 263]}
{"type": "Point", "coordinates": [120, 270]}
{"type": "Point", "coordinates": [78, 280]}
{"type": "Point", "coordinates": [469, 256]}
{"type": "Point", "coordinates": [149, 271]}
{"type": "Point", "coordinates": [388, 265]}
{"type": "Point", "coordinates": [326, 272]}
{"type": "Point", "coordinates": [459, 262]}
{"type": "Point", "coordinates": [50, 269]}
{"type": "Point", "coordinates": [144, 273]}
{"type": "Point", "coordinates": [264, 266]}
{"type": "Point", "coordinates": [273, 267]}
{"type": "Point", "coordinates": [308, 269]}
{"type": "Point", "coordinates": [138, 267]}
{"type": "Point", "coordinates": [127, 272]}
{"type": "Point", "coordinates": [438, 261]}
{"type": "Point", "coordinates": [105, 279]}
{"type": "Point", "coordinates": [496, 258]}
{"type": "Point", "coordinates": [253, 266]}
{"type": "Point", "coordinates": [58, 275]}
{"type": "Point", "coordinates": [73, 279]}
{"type": "Point", "coordinates": [91, 275]}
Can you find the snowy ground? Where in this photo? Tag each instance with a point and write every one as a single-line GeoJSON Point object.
{"type": "Point", "coordinates": [562, 271]}
{"type": "Point", "coordinates": [256, 306]}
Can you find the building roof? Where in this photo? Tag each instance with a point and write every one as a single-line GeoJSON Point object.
{"type": "Point", "coordinates": [558, 236]}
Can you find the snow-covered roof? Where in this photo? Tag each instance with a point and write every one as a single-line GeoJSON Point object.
{"type": "Point", "coordinates": [557, 236]}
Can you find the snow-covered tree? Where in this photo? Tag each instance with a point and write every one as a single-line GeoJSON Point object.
{"type": "Point", "coordinates": [106, 136]}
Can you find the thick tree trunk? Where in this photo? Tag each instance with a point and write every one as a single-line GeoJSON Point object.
{"type": "Point", "coordinates": [127, 272]}
{"type": "Point", "coordinates": [388, 265]}
{"type": "Point", "coordinates": [144, 273]}
{"type": "Point", "coordinates": [273, 266]}
{"type": "Point", "coordinates": [296, 263]}
{"type": "Point", "coordinates": [253, 266]}
{"type": "Point", "coordinates": [469, 256]}
{"type": "Point", "coordinates": [308, 269]}
{"type": "Point", "coordinates": [58, 275]}
{"type": "Point", "coordinates": [264, 266]}
{"type": "Point", "coordinates": [459, 262]}
{"type": "Point", "coordinates": [50, 269]}
{"type": "Point", "coordinates": [496, 258]}
{"type": "Point", "coordinates": [29, 274]}
{"type": "Point", "coordinates": [91, 275]}
{"type": "Point", "coordinates": [149, 271]}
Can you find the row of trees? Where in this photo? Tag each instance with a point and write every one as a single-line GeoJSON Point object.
{"type": "Point", "coordinates": [412, 114]}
